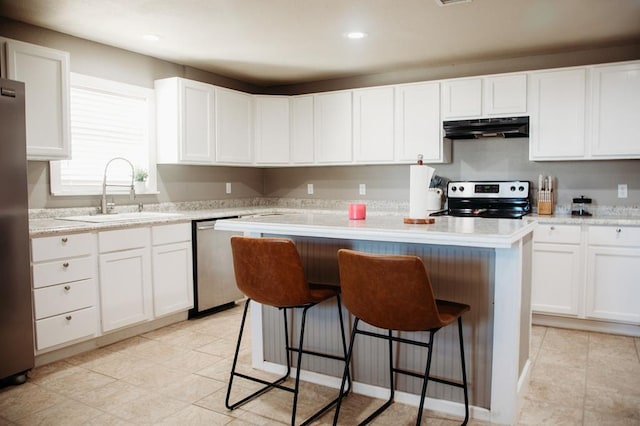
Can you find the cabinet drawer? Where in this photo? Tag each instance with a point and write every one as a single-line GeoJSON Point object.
{"type": "Point", "coordinates": [62, 246]}
{"type": "Point", "coordinates": [58, 299]}
{"type": "Point", "coordinates": [621, 236]}
{"type": "Point", "coordinates": [66, 327]}
{"type": "Point", "coordinates": [562, 234]}
{"type": "Point", "coordinates": [167, 234]}
{"type": "Point", "coordinates": [63, 271]}
{"type": "Point", "coordinates": [123, 239]}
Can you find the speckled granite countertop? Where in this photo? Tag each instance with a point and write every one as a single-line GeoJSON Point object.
{"type": "Point", "coordinates": [44, 222]}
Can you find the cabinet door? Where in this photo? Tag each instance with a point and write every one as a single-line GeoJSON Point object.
{"type": "Point", "coordinates": [417, 123]}
{"type": "Point", "coordinates": [333, 127]}
{"type": "Point", "coordinates": [373, 132]}
{"type": "Point", "coordinates": [613, 288]}
{"type": "Point", "coordinates": [172, 278]}
{"type": "Point", "coordinates": [185, 121]}
{"type": "Point", "coordinates": [45, 73]}
{"type": "Point", "coordinates": [197, 122]}
{"type": "Point", "coordinates": [461, 98]}
{"type": "Point", "coordinates": [271, 129]}
{"type": "Point", "coordinates": [125, 288]}
{"type": "Point", "coordinates": [615, 104]}
{"type": "Point", "coordinates": [233, 127]}
{"type": "Point", "coordinates": [557, 114]}
{"type": "Point", "coordinates": [504, 95]}
{"type": "Point", "coordinates": [556, 279]}
{"type": "Point", "coordinates": [302, 144]}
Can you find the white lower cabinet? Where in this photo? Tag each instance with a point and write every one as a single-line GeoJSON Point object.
{"type": "Point", "coordinates": [125, 277]}
{"type": "Point", "coordinates": [64, 289]}
{"type": "Point", "coordinates": [587, 272]}
{"type": "Point", "coordinates": [172, 268]}
{"type": "Point", "coordinates": [613, 271]}
{"type": "Point", "coordinates": [557, 261]}
{"type": "Point", "coordinates": [92, 283]}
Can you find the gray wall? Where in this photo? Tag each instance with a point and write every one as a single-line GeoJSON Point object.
{"type": "Point", "coordinates": [483, 159]}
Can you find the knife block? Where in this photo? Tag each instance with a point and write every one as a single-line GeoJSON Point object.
{"type": "Point", "coordinates": [545, 202]}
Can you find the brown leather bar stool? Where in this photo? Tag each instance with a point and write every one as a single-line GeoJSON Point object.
{"type": "Point", "coordinates": [394, 293]}
{"type": "Point", "coordinates": [269, 271]}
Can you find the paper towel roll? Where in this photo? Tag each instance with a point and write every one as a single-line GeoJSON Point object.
{"type": "Point", "coordinates": [420, 178]}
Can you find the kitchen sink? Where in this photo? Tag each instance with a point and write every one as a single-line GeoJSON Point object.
{"type": "Point", "coordinates": [120, 217]}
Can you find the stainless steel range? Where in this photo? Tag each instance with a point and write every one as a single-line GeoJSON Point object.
{"type": "Point", "coordinates": [494, 199]}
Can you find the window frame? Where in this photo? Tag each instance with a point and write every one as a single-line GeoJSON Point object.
{"type": "Point", "coordinates": [57, 188]}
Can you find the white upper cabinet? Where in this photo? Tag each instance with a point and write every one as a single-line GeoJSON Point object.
{"type": "Point", "coordinates": [45, 73]}
{"type": "Point", "coordinates": [234, 139]}
{"type": "Point", "coordinates": [333, 127]}
{"type": "Point", "coordinates": [417, 123]}
{"type": "Point", "coordinates": [185, 121]}
{"type": "Point", "coordinates": [301, 130]}
{"type": "Point", "coordinates": [461, 98]}
{"type": "Point", "coordinates": [505, 95]}
{"type": "Point", "coordinates": [373, 125]}
{"type": "Point", "coordinates": [271, 129]}
{"type": "Point", "coordinates": [557, 107]}
{"type": "Point", "coordinates": [497, 95]}
{"type": "Point", "coordinates": [615, 109]}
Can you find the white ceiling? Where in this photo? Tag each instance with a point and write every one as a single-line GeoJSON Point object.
{"type": "Point", "coordinates": [272, 42]}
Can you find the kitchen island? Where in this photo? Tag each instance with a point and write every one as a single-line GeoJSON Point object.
{"type": "Point", "coordinates": [482, 262]}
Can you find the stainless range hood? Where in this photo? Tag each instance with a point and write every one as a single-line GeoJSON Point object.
{"type": "Point", "coordinates": [506, 127]}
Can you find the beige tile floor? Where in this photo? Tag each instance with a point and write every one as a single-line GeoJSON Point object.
{"type": "Point", "coordinates": [177, 375]}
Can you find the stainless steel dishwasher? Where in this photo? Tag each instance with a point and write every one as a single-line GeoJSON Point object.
{"type": "Point", "coordinates": [213, 277]}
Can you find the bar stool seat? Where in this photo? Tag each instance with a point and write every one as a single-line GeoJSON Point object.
{"type": "Point", "coordinates": [394, 293]}
{"type": "Point", "coordinates": [269, 271]}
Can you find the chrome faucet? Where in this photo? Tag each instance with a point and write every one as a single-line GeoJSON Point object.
{"type": "Point", "coordinates": [107, 207]}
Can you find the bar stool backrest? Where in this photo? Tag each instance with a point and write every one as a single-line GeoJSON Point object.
{"type": "Point", "coordinates": [269, 271]}
{"type": "Point", "coordinates": [388, 291]}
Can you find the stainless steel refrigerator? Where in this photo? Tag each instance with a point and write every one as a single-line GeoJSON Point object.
{"type": "Point", "coordinates": [16, 318]}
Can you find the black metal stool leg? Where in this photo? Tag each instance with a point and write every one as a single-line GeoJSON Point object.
{"type": "Point", "coordinates": [268, 385]}
{"type": "Point", "coordinates": [423, 394]}
{"type": "Point", "coordinates": [346, 371]}
{"type": "Point", "coordinates": [464, 374]}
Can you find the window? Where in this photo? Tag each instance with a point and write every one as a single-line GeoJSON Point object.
{"type": "Point", "coordinates": [108, 120]}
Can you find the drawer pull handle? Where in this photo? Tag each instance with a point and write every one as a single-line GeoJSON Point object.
{"type": "Point", "coordinates": [67, 288]}
{"type": "Point", "coordinates": [68, 317]}
{"type": "Point", "coordinates": [618, 230]}
{"type": "Point", "coordinates": [65, 265]}
{"type": "Point", "coordinates": [65, 239]}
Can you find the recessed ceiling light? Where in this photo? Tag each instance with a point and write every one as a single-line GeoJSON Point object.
{"type": "Point", "coordinates": [355, 35]}
{"type": "Point", "coordinates": [151, 37]}
{"type": "Point", "coordinates": [451, 2]}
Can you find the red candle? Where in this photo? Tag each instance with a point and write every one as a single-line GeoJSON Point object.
{"type": "Point", "coordinates": [357, 211]}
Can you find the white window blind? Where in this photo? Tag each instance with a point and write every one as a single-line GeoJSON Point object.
{"type": "Point", "coordinates": [108, 120]}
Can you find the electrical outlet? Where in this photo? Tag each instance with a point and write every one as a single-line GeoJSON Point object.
{"type": "Point", "coordinates": [622, 190]}
{"type": "Point", "coordinates": [363, 189]}
{"type": "Point", "coordinates": [228, 188]}
{"type": "Point", "coordinates": [309, 188]}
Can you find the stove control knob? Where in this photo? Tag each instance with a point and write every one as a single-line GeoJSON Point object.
{"type": "Point", "coordinates": [513, 188]}
{"type": "Point", "coordinates": [521, 188]}
{"type": "Point", "coordinates": [454, 188]}
{"type": "Point", "coordinates": [462, 189]}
